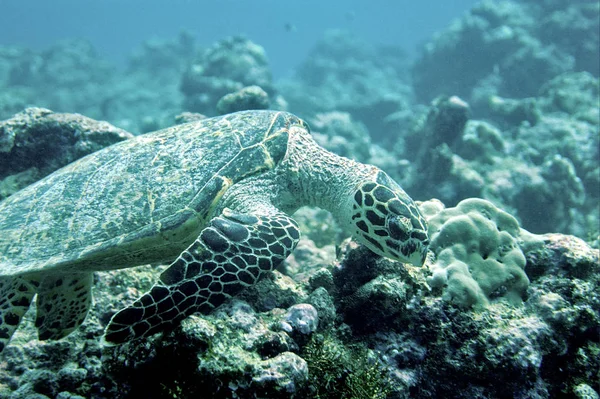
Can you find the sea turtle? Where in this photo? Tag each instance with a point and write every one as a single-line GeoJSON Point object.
{"type": "Point", "coordinates": [213, 197]}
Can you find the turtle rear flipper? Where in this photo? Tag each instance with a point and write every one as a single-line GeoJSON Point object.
{"type": "Point", "coordinates": [62, 304]}
{"type": "Point", "coordinates": [231, 253]}
{"type": "Point", "coordinates": [16, 293]}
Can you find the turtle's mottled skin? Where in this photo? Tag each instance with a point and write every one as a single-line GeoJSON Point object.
{"type": "Point", "coordinates": [212, 197]}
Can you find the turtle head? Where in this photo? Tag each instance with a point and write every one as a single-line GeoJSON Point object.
{"type": "Point", "coordinates": [387, 221]}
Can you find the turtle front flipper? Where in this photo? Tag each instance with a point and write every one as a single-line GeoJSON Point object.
{"type": "Point", "coordinates": [231, 253]}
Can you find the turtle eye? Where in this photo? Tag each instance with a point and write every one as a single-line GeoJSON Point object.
{"type": "Point", "coordinates": [399, 227]}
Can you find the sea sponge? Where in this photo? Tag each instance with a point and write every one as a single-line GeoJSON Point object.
{"type": "Point", "coordinates": [478, 257]}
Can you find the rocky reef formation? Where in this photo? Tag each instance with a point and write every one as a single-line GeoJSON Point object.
{"type": "Point", "coordinates": [527, 151]}
{"type": "Point", "coordinates": [232, 65]}
{"type": "Point", "coordinates": [37, 141]}
{"type": "Point", "coordinates": [71, 77]}
{"type": "Point", "coordinates": [63, 77]}
{"type": "Point", "coordinates": [360, 324]}
{"type": "Point", "coordinates": [510, 154]}
{"type": "Point", "coordinates": [497, 45]}
{"type": "Point", "coordinates": [344, 73]}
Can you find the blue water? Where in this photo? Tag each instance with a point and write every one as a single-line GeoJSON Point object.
{"type": "Point", "coordinates": [287, 29]}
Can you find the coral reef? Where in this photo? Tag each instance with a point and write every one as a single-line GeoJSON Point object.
{"type": "Point", "coordinates": [340, 133]}
{"type": "Point", "coordinates": [232, 352]}
{"type": "Point", "coordinates": [528, 150]}
{"type": "Point", "coordinates": [392, 336]}
{"type": "Point", "coordinates": [63, 77]}
{"type": "Point", "coordinates": [251, 97]}
{"type": "Point", "coordinates": [478, 256]}
{"type": "Point", "coordinates": [161, 59]}
{"type": "Point", "coordinates": [538, 348]}
{"type": "Point", "coordinates": [344, 73]}
{"type": "Point", "coordinates": [70, 76]}
{"type": "Point", "coordinates": [492, 302]}
{"type": "Point", "coordinates": [497, 118]}
{"type": "Point", "coordinates": [226, 67]}
{"type": "Point", "coordinates": [496, 45]}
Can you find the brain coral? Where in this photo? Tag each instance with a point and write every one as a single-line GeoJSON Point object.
{"type": "Point", "coordinates": [478, 258]}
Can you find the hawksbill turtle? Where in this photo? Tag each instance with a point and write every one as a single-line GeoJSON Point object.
{"type": "Point", "coordinates": [213, 198]}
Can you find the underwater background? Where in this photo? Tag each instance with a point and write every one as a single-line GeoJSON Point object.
{"type": "Point", "coordinates": [286, 29]}
{"type": "Point", "coordinates": [487, 112]}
